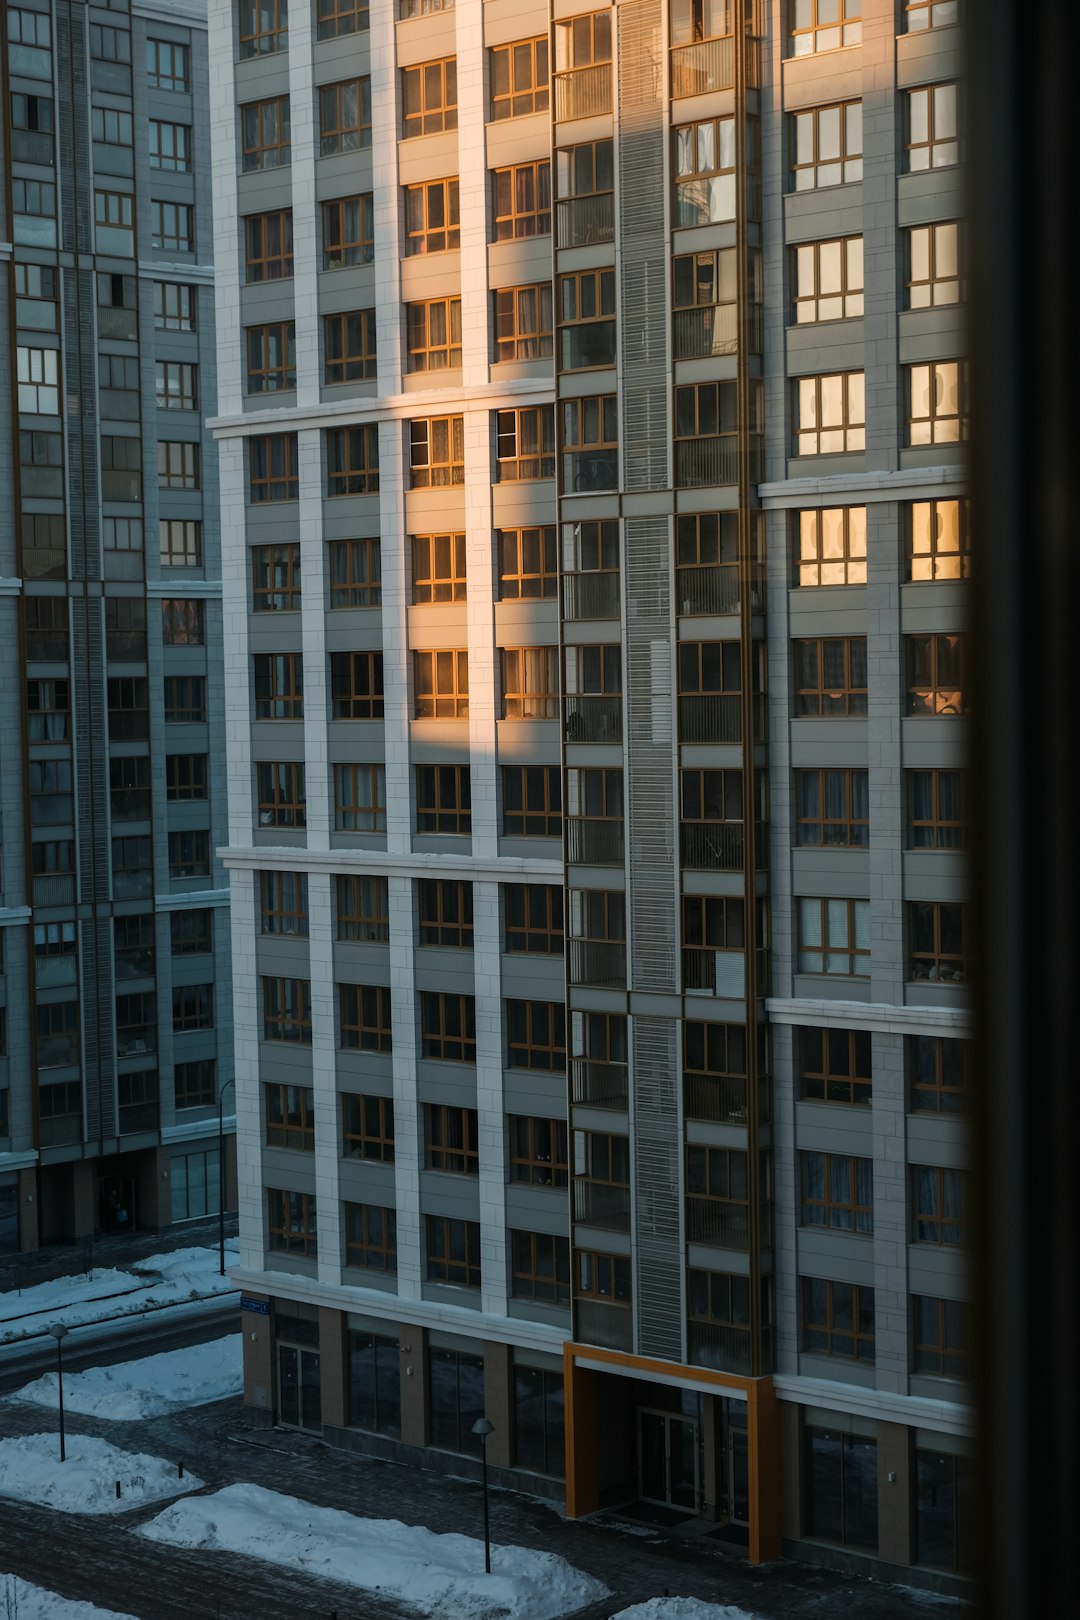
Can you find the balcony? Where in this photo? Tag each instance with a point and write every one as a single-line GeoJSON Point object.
{"type": "Point", "coordinates": [592, 596]}
{"type": "Point", "coordinates": [724, 1349]}
{"type": "Point", "coordinates": [607, 1325]}
{"type": "Point", "coordinates": [710, 590]}
{"type": "Point", "coordinates": [129, 725]}
{"type": "Point", "coordinates": [583, 92]}
{"type": "Point", "coordinates": [707, 462]}
{"type": "Point", "coordinates": [698, 69]}
{"type": "Point", "coordinates": [54, 890]}
{"type": "Point", "coordinates": [719, 1098]}
{"type": "Point", "coordinates": [135, 962]}
{"type": "Point", "coordinates": [125, 646]}
{"type": "Point", "coordinates": [715, 718]}
{"type": "Point", "coordinates": [701, 334]}
{"type": "Point", "coordinates": [593, 718]}
{"type": "Point", "coordinates": [121, 484]}
{"type": "Point", "coordinates": [43, 562]}
{"type": "Point", "coordinates": [598, 1203]}
{"type": "Point", "coordinates": [46, 647]}
{"type": "Point", "coordinates": [595, 843]}
{"type": "Point", "coordinates": [585, 221]}
{"type": "Point", "coordinates": [130, 804]}
{"type": "Point", "coordinates": [136, 1040]}
{"type": "Point", "coordinates": [598, 962]}
{"type": "Point", "coordinates": [62, 1131]}
{"type": "Point", "coordinates": [600, 1085]}
{"type": "Point", "coordinates": [134, 1118]}
{"type": "Point", "coordinates": [712, 846]}
{"type": "Point", "coordinates": [716, 1221]}
{"type": "Point", "coordinates": [116, 323]}
{"type": "Point", "coordinates": [32, 146]}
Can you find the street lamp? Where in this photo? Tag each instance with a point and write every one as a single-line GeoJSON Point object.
{"type": "Point", "coordinates": [59, 1331]}
{"type": "Point", "coordinates": [221, 1172]}
{"type": "Point", "coordinates": [483, 1427]}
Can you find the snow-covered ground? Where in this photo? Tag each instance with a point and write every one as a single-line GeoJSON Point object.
{"type": "Point", "coordinates": [140, 1389]}
{"type": "Point", "coordinates": [677, 1608]}
{"type": "Point", "coordinates": [31, 1471]}
{"type": "Point", "coordinates": [161, 1279]}
{"type": "Point", "coordinates": [21, 1601]}
{"type": "Point", "coordinates": [438, 1576]}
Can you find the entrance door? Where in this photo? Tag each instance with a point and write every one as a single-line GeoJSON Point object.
{"type": "Point", "coordinates": [116, 1204]}
{"type": "Point", "coordinates": [737, 1463]}
{"type": "Point", "coordinates": [668, 1459]}
{"type": "Point", "coordinates": [299, 1397]}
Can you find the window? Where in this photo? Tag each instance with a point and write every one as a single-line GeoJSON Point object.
{"type": "Point", "coordinates": [937, 817]}
{"type": "Point", "coordinates": [183, 622]}
{"type": "Point", "coordinates": [128, 699]}
{"type": "Point", "coordinates": [528, 563]}
{"type": "Point", "coordinates": [938, 943]}
{"type": "Point", "coordinates": [170, 146]}
{"type": "Point", "coordinates": [272, 467]}
{"type": "Point", "coordinates": [37, 199]}
{"type": "Point", "coordinates": [129, 788]}
{"type": "Point", "coordinates": [281, 794]}
{"type": "Point", "coordinates": [539, 1421]}
{"type": "Point", "coordinates": [585, 178]}
{"type": "Point", "coordinates": [538, 1151]}
{"type": "Point", "coordinates": [938, 542]}
{"type": "Point", "coordinates": [939, 1074]}
{"type": "Point", "coordinates": [263, 27]}
{"type": "Point", "coordinates": [937, 681]}
{"type": "Point", "coordinates": [525, 444]}
{"type": "Point", "coordinates": [704, 302]}
{"type": "Point", "coordinates": [830, 413]}
{"type": "Point", "coordinates": [189, 854]}
{"type": "Point", "coordinates": [937, 406]}
{"type": "Point", "coordinates": [837, 1320]}
{"type": "Point", "coordinates": [455, 1379]}
{"type": "Point", "coordinates": [192, 1007]}
{"type": "Point", "coordinates": [264, 134]}
{"type": "Point", "coordinates": [191, 933]}
{"type": "Point", "coordinates": [540, 1267]}
{"type": "Point", "coordinates": [835, 1065]}
{"type": "Point", "coordinates": [432, 217]}
{"type": "Point", "coordinates": [451, 1139]}
{"type": "Point", "coordinates": [841, 1488]}
{"type": "Point", "coordinates": [586, 320]}
{"type": "Point", "coordinates": [709, 682]}
{"type": "Point", "coordinates": [58, 1041]}
{"type": "Point", "coordinates": [447, 1027]}
{"type": "Point", "coordinates": [178, 464]}
{"type": "Point", "coordinates": [167, 65]}
{"type": "Point", "coordinates": [824, 25]}
{"type": "Point", "coordinates": [530, 683]}
{"type": "Point", "coordinates": [833, 808]}
{"type": "Point", "coordinates": [355, 573]}
{"type": "Point", "coordinates": [826, 146]}
{"type": "Point", "coordinates": [352, 460]}
{"type": "Point", "coordinates": [36, 293]}
{"type": "Point", "coordinates": [186, 776]}
{"type": "Point", "coordinates": [830, 676]}
{"type": "Point", "coordinates": [603, 1277]}
{"type": "Point", "coordinates": [34, 113]}
{"type": "Point", "coordinates": [283, 904]}
{"type": "Point", "coordinates": [705, 172]}
{"type": "Point", "coordinates": [195, 1084]}
{"type": "Point", "coordinates": [831, 546]}
{"type": "Point", "coordinates": [827, 280]}
{"type": "Point", "coordinates": [132, 866]}
{"type": "Point", "coordinates": [453, 1256]}
{"type": "Point", "coordinates": [119, 379]}
{"type": "Point", "coordinates": [439, 569]}
{"type": "Point", "coordinates": [180, 543]}
{"type": "Point", "coordinates": [939, 1206]}
{"type": "Point", "coordinates": [521, 201]}
{"type": "Point", "coordinates": [533, 916]}
{"type": "Point", "coordinates": [363, 909]}
{"type": "Point", "coordinates": [356, 686]}
{"type": "Point", "coordinates": [423, 8]}
{"type": "Point", "coordinates": [293, 1228]}
{"type": "Point", "coordinates": [290, 1117]}
{"type": "Point", "coordinates": [590, 443]}
{"type": "Point", "coordinates": [185, 699]}
{"type": "Point", "coordinates": [367, 1128]}
{"type": "Point", "coordinates": [523, 326]}
{"type": "Point", "coordinates": [279, 686]}
{"type": "Point", "coordinates": [445, 913]}
{"type": "Point", "coordinates": [710, 923]}
{"type": "Point", "coordinates": [536, 1036]}
{"type": "Point", "coordinates": [932, 136]}
{"type": "Point", "coordinates": [935, 267]}
{"type": "Point", "coordinates": [371, 1237]}
{"type": "Point", "coordinates": [433, 334]}
{"type": "Point", "coordinates": [834, 937]}
{"type": "Point", "coordinates": [349, 347]}
{"type": "Point", "coordinates": [344, 116]}
{"type": "Point", "coordinates": [531, 801]}
{"type": "Point", "coordinates": [286, 1009]}
{"type": "Point", "coordinates": [360, 798]}
{"type": "Point", "coordinates": [109, 127]}
{"type": "Point", "coordinates": [429, 98]}
{"type": "Point", "coordinates": [364, 1018]}
{"type": "Point", "coordinates": [348, 232]}
{"type": "Point", "coordinates": [436, 452]}
{"type": "Point", "coordinates": [336, 18]}
{"type": "Point", "coordinates": [31, 29]}
{"type": "Point", "coordinates": [837, 1192]}
{"type": "Point", "coordinates": [268, 245]}
{"type": "Point", "coordinates": [38, 381]}
{"type": "Point", "coordinates": [172, 226]}
{"type": "Point", "coordinates": [275, 578]}
{"type": "Point", "coordinates": [520, 79]}
{"type": "Point", "coordinates": [48, 711]}
{"type": "Point", "coordinates": [931, 14]}
{"type": "Point", "coordinates": [271, 357]}
{"type": "Point", "coordinates": [121, 534]}
{"type": "Point", "coordinates": [941, 1337]}
{"type": "Point", "coordinates": [441, 684]}
{"type": "Point", "coordinates": [176, 385]}
{"type": "Point", "coordinates": [944, 1510]}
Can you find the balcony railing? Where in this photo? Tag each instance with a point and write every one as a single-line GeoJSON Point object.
{"type": "Point", "coordinates": [135, 962]}
{"type": "Point", "coordinates": [583, 92]}
{"type": "Point", "coordinates": [597, 1203]}
{"type": "Point", "coordinates": [707, 461]}
{"type": "Point", "coordinates": [584, 221]}
{"type": "Point", "coordinates": [702, 333]}
{"type": "Point", "coordinates": [598, 962]}
{"type": "Point", "coordinates": [61, 1131]}
{"type": "Point", "coordinates": [58, 1051]}
{"type": "Point", "coordinates": [42, 481]}
{"type": "Point", "coordinates": [709, 590]}
{"type": "Point", "coordinates": [724, 1349]}
{"type": "Point", "coordinates": [125, 646]}
{"type": "Point", "coordinates": [712, 718]}
{"type": "Point", "coordinates": [593, 718]}
{"type": "Point", "coordinates": [600, 1085]}
{"type": "Point", "coordinates": [716, 1221]}
{"type": "Point", "coordinates": [120, 484]}
{"type": "Point", "coordinates": [41, 562]}
{"type": "Point", "coordinates": [116, 323]}
{"type": "Point", "coordinates": [720, 1098]}
{"type": "Point", "coordinates": [698, 69]}
{"type": "Point", "coordinates": [129, 725]}
{"type": "Point", "coordinates": [595, 843]}
{"type": "Point", "coordinates": [712, 846]}
{"type": "Point", "coordinates": [141, 1116]}
{"type": "Point", "coordinates": [609, 1325]}
{"type": "Point", "coordinates": [46, 647]}
{"type": "Point", "coordinates": [55, 890]}
{"type": "Point", "coordinates": [591, 596]}
{"type": "Point", "coordinates": [136, 1041]}
{"type": "Point", "coordinates": [32, 146]}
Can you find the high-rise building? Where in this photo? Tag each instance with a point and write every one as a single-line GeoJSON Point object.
{"type": "Point", "coordinates": [115, 997]}
{"type": "Point", "coordinates": [592, 408]}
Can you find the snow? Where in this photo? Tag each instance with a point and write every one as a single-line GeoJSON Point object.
{"type": "Point", "coordinates": [31, 1471]}
{"type": "Point", "coordinates": [146, 1388]}
{"type": "Point", "coordinates": [677, 1608]}
{"type": "Point", "coordinates": [22, 1601]}
{"type": "Point", "coordinates": [435, 1575]}
{"type": "Point", "coordinates": [161, 1279]}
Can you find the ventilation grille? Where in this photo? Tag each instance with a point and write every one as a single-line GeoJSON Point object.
{"type": "Point", "coordinates": [657, 1200]}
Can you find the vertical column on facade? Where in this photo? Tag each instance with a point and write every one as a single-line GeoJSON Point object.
{"type": "Point", "coordinates": [489, 1096]}
{"type": "Point", "coordinates": [229, 335]}
{"type": "Point", "coordinates": [385, 204]}
{"type": "Point", "coordinates": [472, 183]}
{"type": "Point", "coordinates": [324, 1075]}
{"type": "Point", "coordinates": [407, 1136]}
{"type": "Point", "coordinates": [246, 1032]}
{"type": "Point", "coordinates": [235, 643]}
{"type": "Point", "coordinates": [395, 644]}
{"type": "Point", "coordinates": [879, 239]}
{"type": "Point", "coordinates": [302, 102]}
{"type": "Point", "coordinates": [483, 676]}
{"type": "Point", "coordinates": [312, 627]}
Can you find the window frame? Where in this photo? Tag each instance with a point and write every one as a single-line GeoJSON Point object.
{"type": "Point", "coordinates": [825, 949]}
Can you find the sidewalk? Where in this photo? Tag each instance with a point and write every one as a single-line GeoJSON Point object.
{"type": "Point", "coordinates": [119, 1250]}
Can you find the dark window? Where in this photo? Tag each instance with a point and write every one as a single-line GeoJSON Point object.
{"type": "Point", "coordinates": [538, 1151]}
{"type": "Point", "coordinates": [290, 1117]}
{"type": "Point", "coordinates": [944, 1512]}
{"type": "Point", "coordinates": [355, 573]}
{"type": "Point", "coordinates": [939, 1074]}
{"type": "Point", "coordinates": [445, 913]}
{"type": "Point", "coordinates": [292, 1227]}
{"type": "Point", "coordinates": [443, 799]}
{"type": "Point", "coordinates": [374, 1373]}
{"type": "Point", "coordinates": [447, 1027]}
{"type": "Point", "coordinates": [841, 1488]}
{"type": "Point", "coordinates": [837, 1319]}
{"type": "Point", "coordinates": [940, 1337]}
{"type": "Point", "coordinates": [536, 1035]}
{"type": "Point", "coordinates": [539, 1421]}
{"type": "Point", "coordinates": [451, 1139]}
{"type": "Point", "coordinates": [371, 1237]}
{"type": "Point", "coordinates": [533, 914]}
{"type": "Point", "coordinates": [939, 1206]}
{"type": "Point", "coordinates": [367, 1128]}
{"type": "Point", "coordinates": [835, 1065]}
{"type": "Point", "coordinates": [837, 1192]}
{"type": "Point", "coordinates": [455, 1384]}
{"type": "Point", "coordinates": [363, 909]}
{"type": "Point", "coordinates": [365, 1017]}
{"type": "Point", "coordinates": [540, 1267]}
{"type": "Point", "coordinates": [531, 801]}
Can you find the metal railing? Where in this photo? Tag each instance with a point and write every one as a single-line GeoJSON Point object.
{"type": "Point", "coordinates": [600, 1085]}
{"type": "Point", "coordinates": [609, 1325]}
{"type": "Point", "coordinates": [32, 146]}
{"type": "Point", "coordinates": [710, 590]}
{"type": "Point", "coordinates": [126, 646]}
{"type": "Point", "coordinates": [698, 69]}
{"type": "Point", "coordinates": [595, 843]}
{"type": "Point", "coordinates": [713, 718]}
{"type": "Point", "coordinates": [137, 1041]}
{"type": "Point", "coordinates": [116, 323]}
{"type": "Point", "coordinates": [591, 596]}
{"type": "Point", "coordinates": [45, 647]}
{"type": "Point", "coordinates": [707, 461]}
{"type": "Point", "coordinates": [58, 890]}
{"type": "Point", "coordinates": [712, 846]}
{"type": "Point", "coordinates": [720, 1098]}
{"type": "Point", "coordinates": [598, 962]}
{"type": "Point", "coordinates": [593, 718]}
{"type": "Point", "coordinates": [133, 1117]}
{"type": "Point", "coordinates": [135, 963]}
{"type": "Point", "coordinates": [584, 221]}
{"type": "Point", "coordinates": [41, 563]}
{"type": "Point", "coordinates": [61, 1131]}
{"type": "Point", "coordinates": [724, 1349]}
{"type": "Point", "coordinates": [583, 92]}
{"type": "Point", "coordinates": [716, 1221]}
{"type": "Point", "coordinates": [43, 481]}
{"type": "Point", "coordinates": [597, 1203]}
{"type": "Point", "coordinates": [702, 333]}
{"type": "Point", "coordinates": [121, 484]}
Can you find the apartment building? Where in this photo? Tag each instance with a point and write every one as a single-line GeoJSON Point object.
{"type": "Point", "coordinates": [115, 997]}
{"type": "Point", "coordinates": [591, 396]}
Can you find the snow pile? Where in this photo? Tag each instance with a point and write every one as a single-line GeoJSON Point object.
{"type": "Point", "coordinates": [25, 1602]}
{"type": "Point", "coordinates": [677, 1608]}
{"type": "Point", "coordinates": [146, 1388]}
{"type": "Point", "coordinates": [439, 1576]}
{"type": "Point", "coordinates": [31, 1471]}
{"type": "Point", "coordinates": [162, 1279]}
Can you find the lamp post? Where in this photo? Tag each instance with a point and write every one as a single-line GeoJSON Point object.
{"type": "Point", "coordinates": [59, 1331]}
{"type": "Point", "coordinates": [221, 1172]}
{"type": "Point", "coordinates": [483, 1427]}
